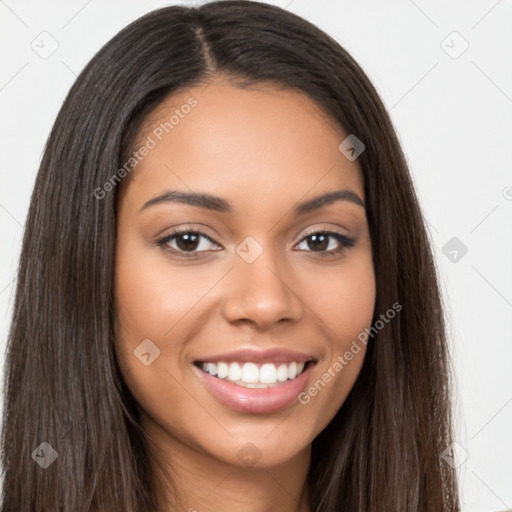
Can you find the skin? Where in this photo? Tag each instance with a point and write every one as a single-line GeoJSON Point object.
{"type": "Point", "coordinates": [264, 150]}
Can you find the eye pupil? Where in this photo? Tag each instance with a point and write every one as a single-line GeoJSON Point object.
{"type": "Point", "coordinates": [321, 238]}
{"type": "Point", "coordinates": [190, 239]}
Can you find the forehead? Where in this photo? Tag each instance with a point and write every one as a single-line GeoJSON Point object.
{"type": "Point", "coordinates": [259, 141]}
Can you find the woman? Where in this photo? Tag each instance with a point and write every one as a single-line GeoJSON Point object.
{"type": "Point", "coordinates": [226, 297]}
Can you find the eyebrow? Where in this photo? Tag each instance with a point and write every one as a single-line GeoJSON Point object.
{"type": "Point", "coordinates": [218, 204]}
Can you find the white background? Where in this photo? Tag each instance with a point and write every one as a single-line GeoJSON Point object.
{"type": "Point", "coordinates": [453, 117]}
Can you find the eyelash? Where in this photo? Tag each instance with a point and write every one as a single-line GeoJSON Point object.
{"type": "Point", "coordinates": [345, 242]}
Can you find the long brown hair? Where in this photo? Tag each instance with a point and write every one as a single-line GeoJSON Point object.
{"type": "Point", "coordinates": [382, 451]}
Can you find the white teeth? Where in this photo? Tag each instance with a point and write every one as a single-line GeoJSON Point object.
{"type": "Point", "coordinates": [235, 372]}
{"type": "Point", "coordinates": [268, 374]}
{"type": "Point", "coordinates": [250, 375]}
{"type": "Point", "coordinates": [222, 370]}
{"type": "Point", "coordinates": [250, 385]}
{"type": "Point", "coordinates": [282, 373]}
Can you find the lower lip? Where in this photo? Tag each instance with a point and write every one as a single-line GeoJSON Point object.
{"type": "Point", "coordinates": [255, 400]}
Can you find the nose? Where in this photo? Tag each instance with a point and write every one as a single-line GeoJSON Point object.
{"type": "Point", "coordinates": [262, 293]}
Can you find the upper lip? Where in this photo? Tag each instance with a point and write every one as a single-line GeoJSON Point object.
{"type": "Point", "coordinates": [276, 355]}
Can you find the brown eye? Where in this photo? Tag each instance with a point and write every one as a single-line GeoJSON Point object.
{"type": "Point", "coordinates": [320, 241]}
{"type": "Point", "coordinates": [186, 242]}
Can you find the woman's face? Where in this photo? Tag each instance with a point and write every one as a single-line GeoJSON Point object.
{"type": "Point", "coordinates": [261, 293]}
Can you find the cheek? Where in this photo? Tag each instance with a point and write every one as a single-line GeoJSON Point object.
{"type": "Point", "coordinates": [157, 299]}
{"type": "Point", "coordinates": [153, 294]}
{"type": "Point", "coordinates": [152, 302]}
{"type": "Point", "coordinates": [149, 303]}
{"type": "Point", "coordinates": [344, 301]}
{"type": "Point", "coordinates": [344, 298]}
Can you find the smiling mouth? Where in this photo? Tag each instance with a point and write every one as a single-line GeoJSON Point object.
{"type": "Point", "coordinates": [255, 375]}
